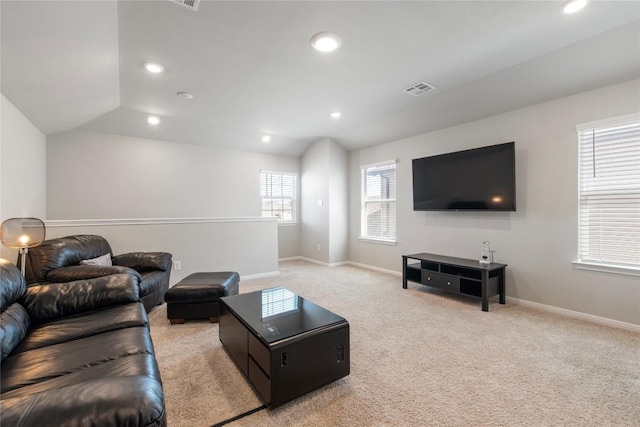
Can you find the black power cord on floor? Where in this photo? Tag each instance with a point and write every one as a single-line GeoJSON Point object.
{"type": "Point", "coordinates": [237, 417]}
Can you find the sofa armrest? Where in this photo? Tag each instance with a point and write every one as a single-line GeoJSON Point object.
{"type": "Point", "coordinates": [144, 261]}
{"type": "Point", "coordinates": [84, 272]}
{"type": "Point", "coordinates": [50, 301]}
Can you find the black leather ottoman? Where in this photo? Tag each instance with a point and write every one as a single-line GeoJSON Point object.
{"type": "Point", "coordinates": [197, 296]}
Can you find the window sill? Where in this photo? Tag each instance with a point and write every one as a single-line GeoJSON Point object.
{"type": "Point", "coordinates": [378, 241]}
{"type": "Point", "coordinates": [287, 224]}
{"type": "Point", "coordinates": [607, 268]}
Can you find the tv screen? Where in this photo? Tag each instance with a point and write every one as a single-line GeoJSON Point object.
{"type": "Point", "coordinates": [477, 180]}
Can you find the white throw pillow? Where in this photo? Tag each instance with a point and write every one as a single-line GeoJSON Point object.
{"type": "Point", "coordinates": [101, 260]}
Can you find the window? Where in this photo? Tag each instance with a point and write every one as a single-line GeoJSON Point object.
{"type": "Point", "coordinates": [278, 192]}
{"type": "Point", "coordinates": [379, 201]}
{"type": "Point", "coordinates": [609, 193]}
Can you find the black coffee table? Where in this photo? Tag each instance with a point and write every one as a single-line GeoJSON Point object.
{"type": "Point", "coordinates": [284, 344]}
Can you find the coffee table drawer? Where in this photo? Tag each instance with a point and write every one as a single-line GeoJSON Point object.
{"type": "Point", "coordinates": [233, 335]}
{"type": "Point", "coordinates": [260, 354]}
{"type": "Point", "coordinates": [260, 381]}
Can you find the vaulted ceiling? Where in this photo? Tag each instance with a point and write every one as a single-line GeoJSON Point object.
{"type": "Point", "coordinates": [252, 71]}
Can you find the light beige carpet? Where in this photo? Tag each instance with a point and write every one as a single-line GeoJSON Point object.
{"type": "Point", "coordinates": [418, 357]}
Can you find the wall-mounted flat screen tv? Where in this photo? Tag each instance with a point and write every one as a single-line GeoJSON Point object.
{"type": "Point", "coordinates": [481, 179]}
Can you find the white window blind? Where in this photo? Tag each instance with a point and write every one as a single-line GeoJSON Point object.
{"type": "Point", "coordinates": [278, 193]}
{"type": "Point", "coordinates": [609, 199]}
{"type": "Point", "coordinates": [379, 201]}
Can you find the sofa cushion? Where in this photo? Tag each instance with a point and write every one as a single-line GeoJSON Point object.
{"type": "Point", "coordinates": [45, 363]}
{"type": "Point", "coordinates": [63, 252]}
{"type": "Point", "coordinates": [14, 323]}
{"type": "Point", "coordinates": [50, 301]}
{"type": "Point", "coordinates": [84, 325]}
{"type": "Point", "coordinates": [83, 272]}
{"type": "Point", "coordinates": [144, 261]}
{"type": "Point", "coordinates": [120, 401]}
{"type": "Point", "coordinates": [137, 364]}
{"type": "Point", "coordinates": [12, 284]}
{"type": "Point", "coordinates": [101, 260]}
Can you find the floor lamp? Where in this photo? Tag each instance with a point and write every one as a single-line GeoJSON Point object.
{"type": "Point", "coordinates": [22, 234]}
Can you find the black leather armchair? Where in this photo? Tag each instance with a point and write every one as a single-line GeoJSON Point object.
{"type": "Point", "coordinates": [58, 260]}
{"type": "Point", "coordinates": [76, 353]}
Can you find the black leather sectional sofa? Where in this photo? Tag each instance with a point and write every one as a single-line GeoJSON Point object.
{"type": "Point", "coordinates": [76, 354]}
{"type": "Point", "coordinates": [58, 260]}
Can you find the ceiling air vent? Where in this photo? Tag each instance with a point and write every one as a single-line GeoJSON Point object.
{"type": "Point", "coordinates": [419, 88]}
{"type": "Point", "coordinates": [191, 4]}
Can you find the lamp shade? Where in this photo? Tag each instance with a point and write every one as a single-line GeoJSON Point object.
{"type": "Point", "coordinates": [19, 233]}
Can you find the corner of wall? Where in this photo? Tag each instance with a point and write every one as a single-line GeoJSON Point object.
{"type": "Point", "coordinates": [21, 143]}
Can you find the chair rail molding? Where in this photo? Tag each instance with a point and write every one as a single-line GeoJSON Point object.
{"type": "Point", "coordinates": [150, 221]}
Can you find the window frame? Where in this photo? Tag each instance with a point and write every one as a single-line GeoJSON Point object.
{"type": "Point", "coordinates": [364, 237]}
{"type": "Point", "coordinates": [582, 262]}
{"type": "Point", "coordinates": [294, 198]}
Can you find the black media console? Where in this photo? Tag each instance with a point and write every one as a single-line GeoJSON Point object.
{"type": "Point", "coordinates": [460, 275]}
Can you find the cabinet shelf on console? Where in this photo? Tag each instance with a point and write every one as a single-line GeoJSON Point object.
{"type": "Point", "coordinates": [462, 272]}
{"type": "Point", "coordinates": [471, 287]}
{"type": "Point", "coordinates": [458, 275]}
{"type": "Point", "coordinates": [414, 273]}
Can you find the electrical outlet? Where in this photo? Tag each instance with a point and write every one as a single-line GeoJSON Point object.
{"type": "Point", "coordinates": [318, 246]}
{"type": "Point", "coordinates": [177, 265]}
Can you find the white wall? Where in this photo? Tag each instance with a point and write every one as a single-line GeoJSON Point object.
{"type": "Point", "coordinates": [324, 202]}
{"type": "Point", "coordinates": [338, 203]}
{"type": "Point", "coordinates": [22, 168]}
{"type": "Point", "coordinates": [314, 184]}
{"type": "Point", "coordinates": [539, 240]}
{"type": "Point", "coordinates": [289, 238]}
{"type": "Point", "coordinates": [94, 175]}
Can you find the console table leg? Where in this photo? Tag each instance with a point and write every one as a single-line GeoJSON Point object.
{"type": "Point", "coordinates": [485, 297]}
{"type": "Point", "coordinates": [502, 287]}
{"type": "Point", "coordinates": [404, 272]}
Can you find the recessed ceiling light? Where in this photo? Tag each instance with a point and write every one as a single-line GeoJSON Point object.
{"type": "Point", "coordinates": [153, 68]}
{"type": "Point", "coordinates": [573, 6]}
{"type": "Point", "coordinates": [335, 114]}
{"type": "Point", "coordinates": [326, 42]}
{"type": "Point", "coordinates": [266, 138]}
{"type": "Point", "coordinates": [185, 95]}
{"type": "Point", "coordinates": [153, 120]}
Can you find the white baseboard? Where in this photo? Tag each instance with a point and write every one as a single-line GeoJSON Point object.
{"type": "Point", "coordinates": [341, 263]}
{"type": "Point", "coordinates": [575, 314]}
{"type": "Point", "coordinates": [297, 258]}
{"type": "Point", "coordinates": [371, 267]}
{"type": "Point", "coordinates": [259, 275]}
{"type": "Point", "coordinates": [311, 260]}
{"type": "Point", "coordinates": [314, 261]}
{"type": "Point", "coordinates": [292, 258]}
